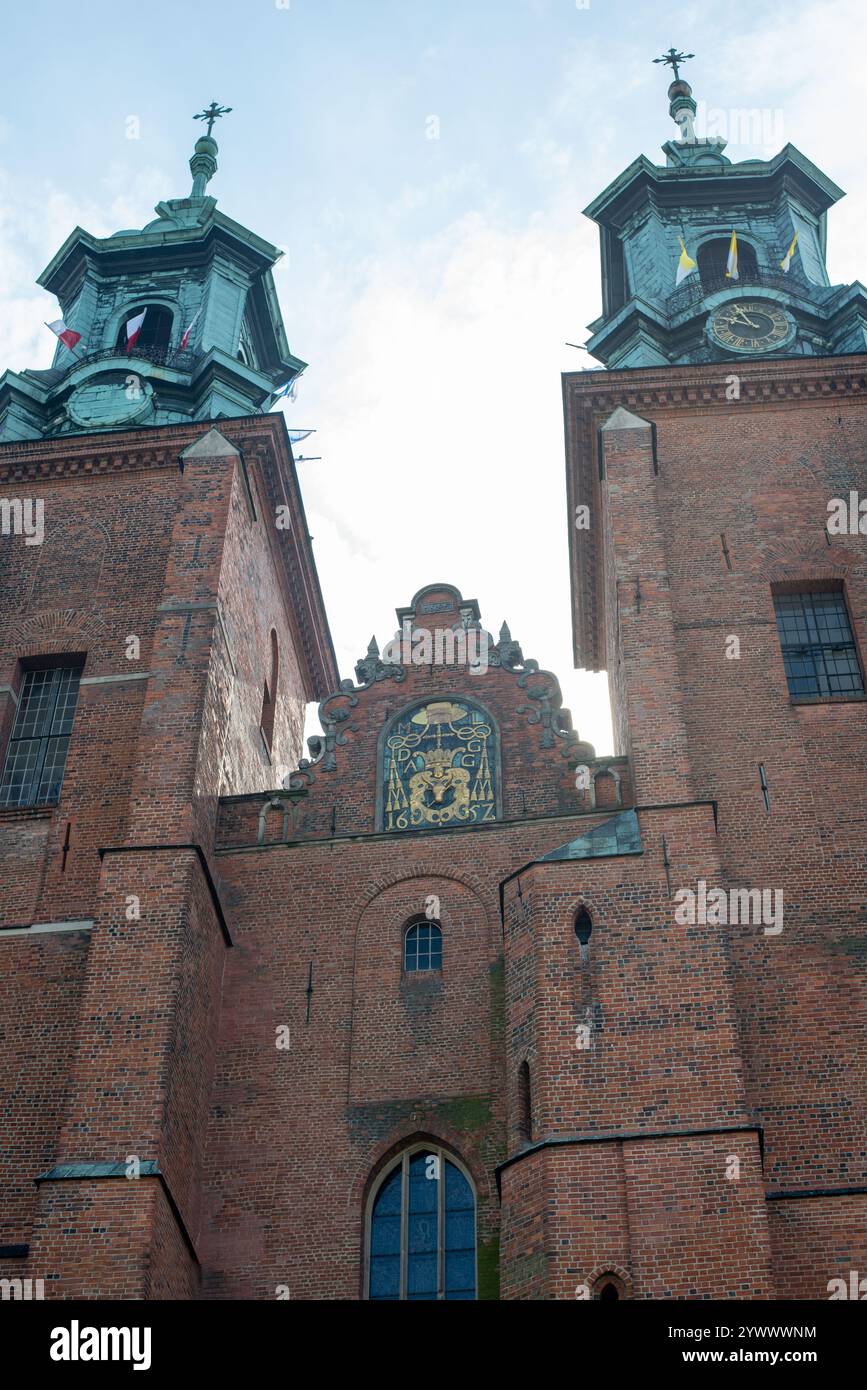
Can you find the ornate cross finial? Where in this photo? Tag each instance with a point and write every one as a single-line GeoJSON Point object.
{"type": "Point", "coordinates": [214, 112]}
{"type": "Point", "coordinates": [674, 59]}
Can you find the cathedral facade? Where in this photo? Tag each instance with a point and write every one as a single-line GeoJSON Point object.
{"type": "Point", "coordinates": [450, 1007]}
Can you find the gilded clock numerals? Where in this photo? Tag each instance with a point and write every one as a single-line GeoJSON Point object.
{"type": "Point", "coordinates": [749, 325]}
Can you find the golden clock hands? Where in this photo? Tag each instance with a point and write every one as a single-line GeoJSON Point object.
{"type": "Point", "coordinates": [742, 318]}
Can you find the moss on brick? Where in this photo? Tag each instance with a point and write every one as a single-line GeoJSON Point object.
{"type": "Point", "coordinates": [489, 1269]}
{"type": "Point", "coordinates": [467, 1113]}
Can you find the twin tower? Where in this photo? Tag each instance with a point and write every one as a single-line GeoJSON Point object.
{"type": "Point", "coordinates": [450, 1007]}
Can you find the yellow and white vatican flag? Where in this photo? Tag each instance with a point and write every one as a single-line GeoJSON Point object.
{"type": "Point", "coordinates": [686, 265]}
{"type": "Point", "coordinates": [787, 259]}
{"type": "Point", "coordinates": [732, 262]}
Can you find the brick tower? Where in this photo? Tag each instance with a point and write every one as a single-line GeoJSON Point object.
{"type": "Point", "coordinates": [716, 472]}
{"type": "Point", "coordinates": [450, 1008]}
{"type": "Point", "coordinates": [161, 631]}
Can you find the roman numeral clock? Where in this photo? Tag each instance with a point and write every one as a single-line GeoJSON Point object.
{"type": "Point", "coordinates": [751, 325]}
{"type": "Point", "coordinates": [669, 297]}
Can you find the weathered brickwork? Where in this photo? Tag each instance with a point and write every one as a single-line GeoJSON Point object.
{"type": "Point", "coordinates": [671, 1108]}
{"type": "Point", "coordinates": [164, 572]}
{"type": "Point", "coordinates": [40, 989]}
{"type": "Point", "coordinates": [696, 523]}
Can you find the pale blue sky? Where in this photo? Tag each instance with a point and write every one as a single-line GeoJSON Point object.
{"type": "Point", "coordinates": [430, 283]}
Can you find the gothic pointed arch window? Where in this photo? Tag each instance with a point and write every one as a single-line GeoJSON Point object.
{"type": "Point", "coordinates": [525, 1103]}
{"type": "Point", "coordinates": [608, 1288]}
{"type": "Point", "coordinates": [440, 767]}
{"type": "Point", "coordinates": [421, 1229]}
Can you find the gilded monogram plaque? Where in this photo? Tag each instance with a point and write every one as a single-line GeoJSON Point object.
{"type": "Point", "coordinates": [439, 767]}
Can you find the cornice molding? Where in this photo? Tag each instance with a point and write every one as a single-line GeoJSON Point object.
{"type": "Point", "coordinates": [801, 379]}
{"type": "Point", "coordinates": [589, 398]}
{"type": "Point", "coordinates": [262, 438]}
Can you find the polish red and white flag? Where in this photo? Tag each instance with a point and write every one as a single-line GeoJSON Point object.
{"type": "Point", "coordinates": [133, 328]}
{"type": "Point", "coordinates": [187, 331]}
{"type": "Point", "coordinates": [67, 336]}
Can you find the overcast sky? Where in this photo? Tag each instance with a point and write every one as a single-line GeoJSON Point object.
{"type": "Point", "coordinates": [431, 283]}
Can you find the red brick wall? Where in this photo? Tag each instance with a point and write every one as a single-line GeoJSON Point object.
{"type": "Point", "coordinates": [178, 557]}
{"type": "Point", "coordinates": [657, 1213]}
{"type": "Point", "coordinates": [815, 1241]}
{"type": "Point", "coordinates": [141, 1069]}
{"type": "Point", "coordinates": [761, 469]}
{"type": "Point", "coordinates": [40, 988]}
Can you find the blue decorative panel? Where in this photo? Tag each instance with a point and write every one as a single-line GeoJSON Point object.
{"type": "Point", "coordinates": [440, 763]}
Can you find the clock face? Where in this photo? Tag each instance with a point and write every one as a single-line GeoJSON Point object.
{"type": "Point", "coordinates": [111, 399]}
{"type": "Point", "coordinates": [750, 325]}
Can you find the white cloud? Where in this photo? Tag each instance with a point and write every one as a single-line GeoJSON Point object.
{"type": "Point", "coordinates": [440, 417]}
{"type": "Point", "coordinates": [35, 220]}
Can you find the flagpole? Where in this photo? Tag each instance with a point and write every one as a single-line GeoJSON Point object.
{"type": "Point", "coordinates": [60, 340]}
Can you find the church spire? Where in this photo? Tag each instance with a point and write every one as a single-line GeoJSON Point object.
{"type": "Point", "coordinates": [682, 110]}
{"type": "Point", "coordinates": [180, 317]}
{"type": "Point", "coordinates": [658, 220]}
{"type": "Point", "coordinates": [682, 107]}
{"type": "Point", "coordinates": [203, 165]}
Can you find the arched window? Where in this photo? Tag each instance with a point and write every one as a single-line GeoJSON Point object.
{"type": "Point", "coordinates": [607, 1287]}
{"type": "Point", "coordinates": [423, 946]}
{"type": "Point", "coordinates": [525, 1103]}
{"type": "Point", "coordinates": [440, 767]}
{"type": "Point", "coordinates": [269, 697]}
{"type": "Point", "coordinates": [713, 258]}
{"type": "Point", "coordinates": [583, 925]}
{"type": "Point", "coordinates": [156, 330]}
{"type": "Point", "coordinates": [583, 929]}
{"type": "Point", "coordinates": [245, 352]}
{"type": "Point", "coordinates": [421, 1238]}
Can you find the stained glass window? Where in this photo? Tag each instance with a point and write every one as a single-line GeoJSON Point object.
{"type": "Point", "coordinates": [36, 756]}
{"type": "Point", "coordinates": [440, 767]}
{"type": "Point", "coordinates": [423, 1231]}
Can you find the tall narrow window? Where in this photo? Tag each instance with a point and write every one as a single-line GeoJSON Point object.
{"type": "Point", "coordinates": [36, 756]}
{"type": "Point", "coordinates": [422, 1230]}
{"type": "Point", "coordinates": [269, 698]}
{"type": "Point", "coordinates": [525, 1103]}
{"type": "Point", "coordinates": [818, 645]}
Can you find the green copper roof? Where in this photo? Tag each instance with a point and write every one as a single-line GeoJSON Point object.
{"type": "Point", "coordinates": [196, 272]}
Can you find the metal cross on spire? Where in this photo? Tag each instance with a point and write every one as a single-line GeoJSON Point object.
{"type": "Point", "coordinates": [674, 59]}
{"type": "Point", "coordinates": [214, 112]}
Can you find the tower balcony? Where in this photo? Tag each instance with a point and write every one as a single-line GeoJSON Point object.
{"type": "Point", "coordinates": [695, 289]}
{"type": "Point", "coordinates": [169, 357]}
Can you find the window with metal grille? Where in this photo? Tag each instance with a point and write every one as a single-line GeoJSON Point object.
{"type": "Point", "coordinates": [818, 645]}
{"type": "Point", "coordinates": [423, 947]}
{"type": "Point", "coordinates": [422, 1230]}
{"type": "Point", "coordinates": [36, 756]}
